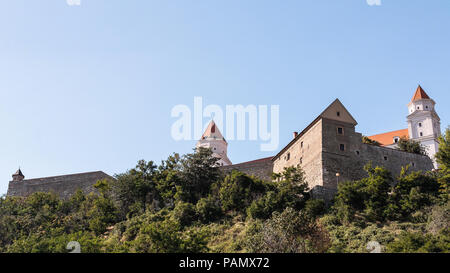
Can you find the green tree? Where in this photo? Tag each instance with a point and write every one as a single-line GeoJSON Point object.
{"type": "Point", "coordinates": [411, 146]}
{"type": "Point", "coordinates": [443, 158]}
{"type": "Point", "coordinates": [238, 190]}
{"type": "Point", "coordinates": [291, 190]}
{"type": "Point", "coordinates": [199, 171]}
{"type": "Point", "coordinates": [368, 196]}
{"type": "Point", "coordinates": [208, 209]}
{"type": "Point", "coordinates": [136, 187]}
{"type": "Point", "coordinates": [367, 140]}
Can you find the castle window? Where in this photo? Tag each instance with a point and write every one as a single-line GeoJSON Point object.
{"type": "Point", "coordinates": [396, 139]}
{"type": "Point", "coordinates": [288, 156]}
{"type": "Point", "coordinates": [301, 144]}
{"type": "Point", "coordinates": [301, 160]}
{"type": "Point", "coordinates": [418, 107]}
{"type": "Point", "coordinates": [413, 164]}
{"type": "Point", "coordinates": [338, 113]}
{"type": "Point", "coordinates": [342, 147]}
{"type": "Point", "coordinates": [357, 152]}
{"type": "Point", "coordinates": [385, 158]}
{"type": "Point", "coordinates": [340, 130]}
{"type": "Point", "coordinates": [421, 134]}
{"type": "Point", "coordinates": [426, 106]}
{"type": "Point", "coordinates": [420, 124]}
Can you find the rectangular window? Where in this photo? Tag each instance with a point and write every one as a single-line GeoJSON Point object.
{"type": "Point", "coordinates": [340, 130]}
{"type": "Point", "coordinates": [288, 156]}
{"type": "Point", "coordinates": [420, 124]}
{"type": "Point", "coordinates": [342, 147]}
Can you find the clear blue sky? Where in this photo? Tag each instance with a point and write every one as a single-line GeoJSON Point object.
{"type": "Point", "coordinates": [91, 87]}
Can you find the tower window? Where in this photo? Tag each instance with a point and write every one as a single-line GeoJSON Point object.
{"type": "Point", "coordinates": [426, 106]}
{"type": "Point", "coordinates": [338, 113]}
{"type": "Point", "coordinates": [418, 107]}
{"type": "Point", "coordinates": [288, 156]}
{"type": "Point", "coordinates": [357, 152]}
{"type": "Point", "coordinates": [420, 124]}
{"type": "Point", "coordinates": [385, 158]}
{"type": "Point", "coordinates": [421, 134]}
{"type": "Point", "coordinates": [301, 144]}
{"type": "Point", "coordinates": [340, 131]}
{"type": "Point", "coordinates": [342, 147]}
{"type": "Point", "coordinates": [396, 139]}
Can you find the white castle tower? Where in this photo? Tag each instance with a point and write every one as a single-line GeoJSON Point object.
{"type": "Point", "coordinates": [213, 139]}
{"type": "Point", "coordinates": [424, 124]}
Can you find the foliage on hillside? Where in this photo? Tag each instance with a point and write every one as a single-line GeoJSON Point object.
{"type": "Point", "coordinates": [186, 204]}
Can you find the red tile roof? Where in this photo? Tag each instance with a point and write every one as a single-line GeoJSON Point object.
{"type": "Point", "coordinates": [420, 94]}
{"type": "Point", "coordinates": [388, 138]}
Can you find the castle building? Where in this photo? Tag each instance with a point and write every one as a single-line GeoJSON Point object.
{"type": "Point", "coordinates": [213, 139]}
{"type": "Point", "coordinates": [329, 150]}
{"type": "Point", "coordinates": [424, 126]}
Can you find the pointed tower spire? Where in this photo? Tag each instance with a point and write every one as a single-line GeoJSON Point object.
{"type": "Point", "coordinates": [420, 94]}
{"type": "Point", "coordinates": [212, 132]}
{"type": "Point", "coordinates": [18, 175]}
{"type": "Point", "coordinates": [213, 139]}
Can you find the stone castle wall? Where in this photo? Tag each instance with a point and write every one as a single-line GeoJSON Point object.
{"type": "Point", "coordinates": [64, 186]}
{"type": "Point", "coordinates": [318, 152]}
{"type": "Point", "coordinates": [304, 151]}
{"type": "Point", "coordinates": [261, 168]}
{"type": "Point", "coordinates": [350, 163]}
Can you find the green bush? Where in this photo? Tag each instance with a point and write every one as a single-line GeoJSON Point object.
{"type": "Point", "coordinates": [208, 209]}
{"type": "Point", "coordinates": [184, 213]}
{"type": "Point", "coordinates": [238, 190]}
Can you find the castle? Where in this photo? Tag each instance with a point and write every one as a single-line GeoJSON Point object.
{"type": "Point", "coordinates": [329, 150]}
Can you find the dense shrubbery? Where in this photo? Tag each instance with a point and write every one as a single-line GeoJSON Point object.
{"type": "Point", "coordinates": [187, 205]}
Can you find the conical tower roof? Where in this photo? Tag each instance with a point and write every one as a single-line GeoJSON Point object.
{"type": "Point", "coordinates": [212, 132]}
{"type": "Point", "coordinates": [18, 172]}
{"type": "Point", "coordinates": [420, 94]}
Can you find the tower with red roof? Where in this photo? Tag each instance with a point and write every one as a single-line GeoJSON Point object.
{"type": "Point", "coordinates": [424, 124]}
{"type": "Point", "coordinates": [213, 139]}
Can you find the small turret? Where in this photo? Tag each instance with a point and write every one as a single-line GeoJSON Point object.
{"type": "Point", "coordinates": [18, 176]}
